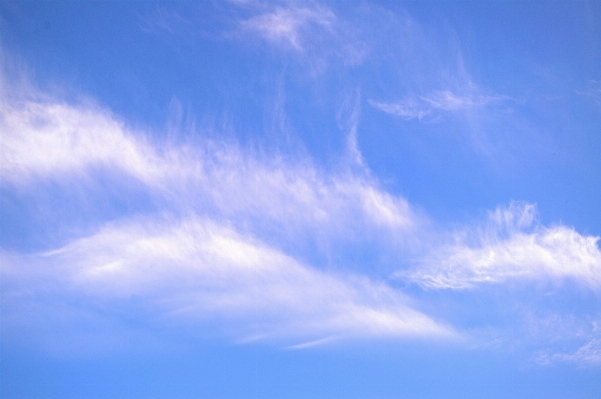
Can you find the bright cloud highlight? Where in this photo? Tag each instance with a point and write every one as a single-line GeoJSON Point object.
{"type": "Point", "coordinates": [506, 251]}
{"type": "Point", "coordinates": [198, 271]}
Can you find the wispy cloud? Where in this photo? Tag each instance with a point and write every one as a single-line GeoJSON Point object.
{"type": "Point", "coordinates": [198, 271]}
{"type": "Point", "coordinates": [254, 246]}
{"type": "Point", "coordinates": [286, 25]}
{"type": "Point", "coordinates": [407, 109]}
{"type": "Point", "coordinates": [218, 248]}
{"type": "Point", "coordinates": [588, 355]}
{"type": "Point", "coordinates": [348, 122]}
{"type": "Point", "coordinates": [432, 105]}
{"type": "Point", "coordinates": [55, 140]}
{"type": "Point", "coordinates": [592, 91]}
{"type": "Point", "coordinates": [506, 251]}
{"type": "Point", "coordinates": [309, 29]}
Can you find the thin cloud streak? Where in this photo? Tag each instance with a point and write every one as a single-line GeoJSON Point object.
{"type": "Point", "coordinates": [419, 107]}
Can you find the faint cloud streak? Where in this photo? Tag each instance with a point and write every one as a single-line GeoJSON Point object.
{"type": "Point", "coordinates": [434, 104]}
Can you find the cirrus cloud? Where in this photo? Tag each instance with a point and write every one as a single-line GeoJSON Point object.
{"type": "Point", "coordinates": [506, 251]}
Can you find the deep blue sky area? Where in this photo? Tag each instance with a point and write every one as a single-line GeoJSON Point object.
{"type": "Point", "coordinates": [300, 199]}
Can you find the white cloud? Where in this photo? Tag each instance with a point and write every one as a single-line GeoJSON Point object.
{"type": "Point", "coordinates": [197, 271]}
{"type": "Point", "coordinates": [407, 109]}
{"type": "Point", "coordinates": [53, 140]}
{"type": "Point", "coordinates": [309, 29]}
{"type": "Point", "coordinates": [50, 138]}
{"type": "Point", "coordinates": [448, 101]}
{"type": "Point", "coordinates": [588, 355]}
{"type": "Point", "coordinates": [284, 25]}
{"type": "Point", "coordinates": [418, 107]}
{"type": "Point", "coordinates": [504, 251]}
{"type": "Point", "coordinates": [221, 258]}
{"type": "Point", "coordinates": [227, 252]}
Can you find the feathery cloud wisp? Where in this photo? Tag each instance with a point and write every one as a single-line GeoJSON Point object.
{"type": "Point", "coordinates": [313, 31]}
{"type": "Point", "coordinates": [284, 25]}
{"type": "Point", "coordinates": [419, 107]}
{"type": "Point", "coordinates": [196, 270]}
{"type": "Point", "coordinates": [54, 140]}
{"type": "Point", "coordinates": [505, 251]}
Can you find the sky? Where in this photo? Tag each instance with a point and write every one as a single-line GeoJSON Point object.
{"type": "Point", "coordinates": [300, 199]}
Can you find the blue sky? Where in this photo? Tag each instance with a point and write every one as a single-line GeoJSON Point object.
{"type": "Point", "coordinates": [254, 199]}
